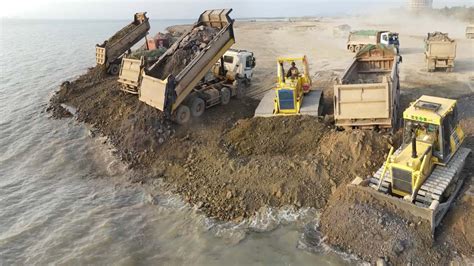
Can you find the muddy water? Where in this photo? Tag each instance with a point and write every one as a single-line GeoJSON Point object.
{"type": "Point", "coordinates": [65, 199]}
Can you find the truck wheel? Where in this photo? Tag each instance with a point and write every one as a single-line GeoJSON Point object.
{"type": "Point", "coordinates": [351, 48]}
{"type": "Point", "coordinates": [357, 48]}
{"type": "Point", "coordinates": [113, 69]}
{"type": "Point", "coordinates": [183, 114]}
{"type": "Point", "coordinates": [197, 107]}
{"type": "Point", "coordinates": [225, 96]}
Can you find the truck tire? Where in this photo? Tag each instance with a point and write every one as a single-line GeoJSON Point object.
{"type": "Point", "coordinates": [113, 69]}
{"type": "Point", "coordinates": [197, 107]}
{"type": "Point", "coordinates": [183, 114]}
{"type": "Point", "coordinates": [352, 48]}
{"type": "Point", "coordinates": [357, 48]}
{"type": "Point", "coordinates": [225, 95]}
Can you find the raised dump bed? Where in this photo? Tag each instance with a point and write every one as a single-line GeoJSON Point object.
{"type": "Point", "coordinates": [367, 94]}
{"type": "Point", "coordinates": [110, 52]}
{"type": "Point", "coordinates": [166, 86]}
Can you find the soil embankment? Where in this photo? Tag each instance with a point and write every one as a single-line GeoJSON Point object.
{"type": "Point", "coordinates": [227, 163]}
{"type": "Point", "coordinates": [230, 165]}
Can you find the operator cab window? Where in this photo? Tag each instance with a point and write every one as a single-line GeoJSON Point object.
{"type": "Point", "coordinates": [424, 132]}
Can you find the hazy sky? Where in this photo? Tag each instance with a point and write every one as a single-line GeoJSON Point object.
{"type": "Point", "coordinates": [168, 9]}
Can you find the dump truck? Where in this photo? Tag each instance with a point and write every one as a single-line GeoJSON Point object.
{"type": "Point", "coordinates": [423, 176]}
{"type": "Point", "coordinates": [470, 32]}
{"type": "Point", "coordinates": [111, 51]}
{"type": "Point", "coordinates": [194, 88]}
{"type": "Point", "coordinates": [238, 64]}
{"type": "Point", "coordinates": [293, 93]}
{"type": "Point", "coordinates": [358, 39]}
{"type": "Point", "coordinates": [367, 95]}
{"type": "Point", "coordinates": [440, 52]}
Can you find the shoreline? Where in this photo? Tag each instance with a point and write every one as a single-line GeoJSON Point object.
{"type": "Point", "coordinates": [228, 158]}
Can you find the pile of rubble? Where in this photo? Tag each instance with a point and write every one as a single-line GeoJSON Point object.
{"type": "Point", "coordinates": [438, 36]}
{"type": "Point", "coordinates": [184, 52]}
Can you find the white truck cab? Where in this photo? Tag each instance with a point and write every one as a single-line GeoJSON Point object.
{"type": "Point", "coordinates": [238, 63]}
{"type": "Point", "coordinates": [390, 38]}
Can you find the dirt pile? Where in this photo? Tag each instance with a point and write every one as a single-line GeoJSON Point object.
{"type": "Point", "coordinates": [228, 166]}
{"type": "Point", "coordinates": [372, 230]}
{"type": "Point", "coordinates": [185, 51]}
{"type": "Point", "coordinates": [278, 161]}
{"type": "Point", "coordinates": [135, 129]}
{"type": "Point", "coordinates": [438, 36]}
{"type": "Point", "coordinates": [290, 136]}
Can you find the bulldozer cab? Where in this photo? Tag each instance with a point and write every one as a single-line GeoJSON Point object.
{"type": "Point", "coordinates": [434, 121]}
{"type": "Point", "coordinates": [285, 64]}
{"type": "Point", "coordinates": [291, 88]}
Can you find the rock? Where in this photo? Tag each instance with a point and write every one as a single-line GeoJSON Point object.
{"type": "Point", "coordinates": [279, 194]}
{"type": "Point", "coordinates": [381, 262]}
{"type": "Point", "coordinates": [399, 247]}
{"type": "Point", "coordinates": [150, 199]}
{"type": "Point", "coordinates": [229, 194]}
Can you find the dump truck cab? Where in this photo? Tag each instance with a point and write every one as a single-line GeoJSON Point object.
{"type": "Point", "coordinates": [290, 88]}
{"type": "Point", "coordinates": [238, 64]}
{"type": "Point", "coordinates": [389, 38]}
{"type": "Point", "coordinates": [241, 62]}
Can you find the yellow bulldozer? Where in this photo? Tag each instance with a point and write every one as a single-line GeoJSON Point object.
{"type": "Point", "coordinates": [423, 175]}
{"type": "Point", "coordinates": [293, 93]}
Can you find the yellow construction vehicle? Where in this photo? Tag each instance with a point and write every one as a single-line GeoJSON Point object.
{"type": "Point", "coordinates": [293, 92]}
{"type": "Point", "coordinates": [423, 175]}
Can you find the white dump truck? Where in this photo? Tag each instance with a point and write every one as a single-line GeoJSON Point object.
{"type": "Point", "coordinates": [358, 39]}
{"type": "Point", "coordinates": [186, 92]}
{"type": "Point", "coordinates": [367, 95]}
{"type": "Point", "coordinates": [440, 52]}
{"type": "Point", "coordinates": [238, 64]}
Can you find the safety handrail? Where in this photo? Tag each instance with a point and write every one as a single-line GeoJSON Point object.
{"type": "Point", "coordinates": [385, 168]}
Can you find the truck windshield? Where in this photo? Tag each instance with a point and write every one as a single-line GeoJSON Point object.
{"type": "Point", "coordinates": [393, 39]}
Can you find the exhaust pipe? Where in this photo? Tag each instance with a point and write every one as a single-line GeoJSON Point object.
{"type": "Point", "coordinates": [413, 145]}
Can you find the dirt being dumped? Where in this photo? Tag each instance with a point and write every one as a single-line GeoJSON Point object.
{"type": "Point", "coordinates": [185, 51]}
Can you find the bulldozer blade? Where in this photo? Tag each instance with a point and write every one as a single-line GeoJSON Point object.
{"type": "Point", "coordinates": [433, 213]}
{"type": "Point", "coordinates": [312, 104]}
